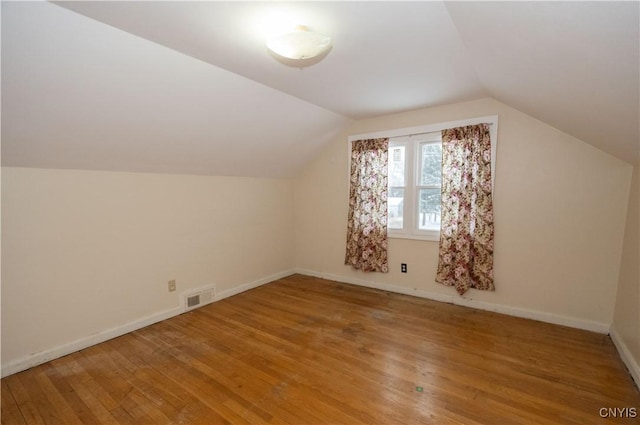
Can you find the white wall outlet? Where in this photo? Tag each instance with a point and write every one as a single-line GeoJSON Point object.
{"type": "Point", "coordinates": [172, 285]}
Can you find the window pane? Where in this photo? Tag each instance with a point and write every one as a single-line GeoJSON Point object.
{"type": "Point", "coordinates": [396, 166]}
{"type": "Point", "coordinates": [395, 207]}
{"type": "Point", "coordinates": [429, 209]}
{"type": "Point", "coordinates": [431, 161]}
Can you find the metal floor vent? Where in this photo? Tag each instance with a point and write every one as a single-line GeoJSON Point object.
{"type": "Point", "coordinates": [199, 297]}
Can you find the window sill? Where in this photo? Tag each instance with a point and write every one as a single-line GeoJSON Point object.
{"type": "Point", "coordinates": [430, 238]}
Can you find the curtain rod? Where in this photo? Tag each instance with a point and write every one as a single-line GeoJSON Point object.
{"type": "Point", "coordinates": [424, 129]}
{"type": "Point", "coordinates": [438, 131]}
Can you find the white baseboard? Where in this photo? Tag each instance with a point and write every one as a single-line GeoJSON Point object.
{"type": "Point", "coordinates": [245, 287]}
{"type": "Point", "coordinates": [625, 354]}
{"type": "Point", "coordinates": [62, 350]}
{"type": "Point", "coordinates": [541, 316]}
{"type": "Point", "coordinates": [36, 359]}
{"type": "Point", "coordinates": [379, 285]}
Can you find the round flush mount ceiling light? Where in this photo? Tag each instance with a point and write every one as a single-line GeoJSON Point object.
{"type": "Point", "coordinates": [300, 44]}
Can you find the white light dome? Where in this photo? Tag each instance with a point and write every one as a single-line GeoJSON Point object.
{"type": "Point", "coordinates": [300, 44]}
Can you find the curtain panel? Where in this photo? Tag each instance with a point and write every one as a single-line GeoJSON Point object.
{"type": "Point", "coordinates": [466, 236]}
{"type": "Point", "coordinates": [367, 220]}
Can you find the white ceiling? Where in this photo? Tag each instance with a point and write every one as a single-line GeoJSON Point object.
{"type": "Point", "coordinates": [574, 65]}
{"type": "Point", "coordinates": [188, 87]}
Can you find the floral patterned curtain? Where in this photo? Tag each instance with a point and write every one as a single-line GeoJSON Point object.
{"type": "Point", "coordinates": [367, 223]}
{"type": "Point", "coordinates": [466, 234]}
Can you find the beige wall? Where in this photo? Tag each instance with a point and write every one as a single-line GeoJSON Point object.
{"type": "Point", "coordinates": [560, 206]}
{"type": "Point", "coordinates": [85, 251]}
{"type": "Point", "coordinates": [627, 313]}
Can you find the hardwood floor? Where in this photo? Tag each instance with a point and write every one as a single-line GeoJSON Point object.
{"type": "Point", "coordinates": [303, 350]}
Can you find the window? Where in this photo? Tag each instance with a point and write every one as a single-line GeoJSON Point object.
{"type": "Point", "coordinates": [396, 178]}
{"type": "Point", "coordinates": [415, 176]}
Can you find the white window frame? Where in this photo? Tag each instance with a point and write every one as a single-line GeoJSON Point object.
{"type": "Point", "coordinates": [412, 137]}
{"type": "Point", "coordinates": [412, 144]}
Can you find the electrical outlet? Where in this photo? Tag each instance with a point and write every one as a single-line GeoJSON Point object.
{"type": "Point", "coordinates": [172, 285]}
{"type": "Point", "coordinates": [403, 267]}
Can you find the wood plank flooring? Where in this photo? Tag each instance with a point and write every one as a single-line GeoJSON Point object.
{"type": "Point", "coordinates": [303, 350]}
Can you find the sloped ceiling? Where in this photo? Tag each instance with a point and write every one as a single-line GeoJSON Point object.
{"type": "Point", "coordinates": [574, 65]}
{"type": "Point", "coordinates": [188, 87]}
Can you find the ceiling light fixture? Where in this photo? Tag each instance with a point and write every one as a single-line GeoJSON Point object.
{"type": "Point", "coordinates": [300, 44]}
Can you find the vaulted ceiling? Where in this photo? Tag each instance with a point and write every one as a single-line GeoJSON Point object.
{"type": "Point", "coordinates": [189, 87]}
